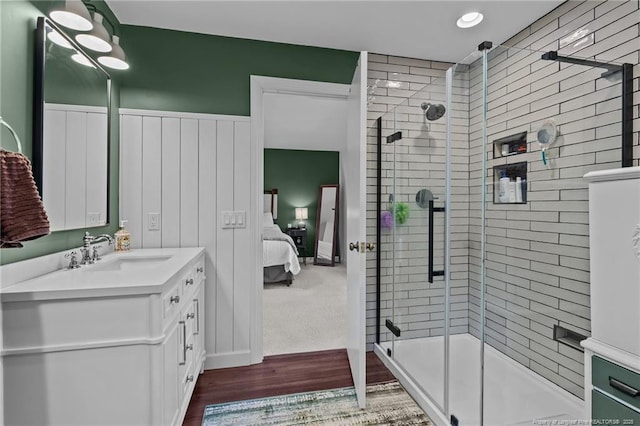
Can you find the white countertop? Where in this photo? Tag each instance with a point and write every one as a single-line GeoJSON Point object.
{"type": "Point", "coordinates": [613, 174]}
{"type": "Point", "coordinates": [90, 281]}
{"type": "Point", "coordinates": [617, 355]}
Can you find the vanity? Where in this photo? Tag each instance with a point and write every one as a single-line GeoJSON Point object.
{"type": "Point", "coordinates": [612, 353]}
{"type": "Point", "coordinates": [119, 342]}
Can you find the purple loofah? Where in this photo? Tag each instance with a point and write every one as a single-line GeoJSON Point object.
{"type": "Point", "coordinates": [386, 220]}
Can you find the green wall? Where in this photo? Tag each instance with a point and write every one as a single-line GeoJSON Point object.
{"type": "Point", "coordinates": [170, 70]}
{"type": "Point", "coordinates": [189, 72]}
{"type": "Point", "coordinates": [298, 175]}
{"type": "Point", "coordinates": [17, 42]}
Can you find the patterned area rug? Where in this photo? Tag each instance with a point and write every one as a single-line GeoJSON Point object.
{"type": "Point", "coordinates": [387, 404]}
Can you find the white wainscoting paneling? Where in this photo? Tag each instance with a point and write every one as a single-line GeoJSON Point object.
{"type": "Point", "coordinates": [151, 174]}
{"type": "Point", "coordinates": [170, 214]}
{"type": "Point", "coordinates": [131, 176]}
{"type": "Point", "coordinates": [75, 190]}
{"type": "Point", "coordinates": [225, 240]}
{"type": "Point", "coordinates": [187, 168]}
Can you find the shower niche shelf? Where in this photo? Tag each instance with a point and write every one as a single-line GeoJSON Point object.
{"type": "Point", "coordinates": [513, 190]}
{"type": "Point", "coordinates": [510, 145]}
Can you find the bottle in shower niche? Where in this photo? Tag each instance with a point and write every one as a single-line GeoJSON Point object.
{"type": "Point", "coordinates": [123, 238]}
{"type": "Point", "coordinates": [503, 193]}
{"type": "Point", "coordinates": [518, 189]}
{"type": "Point", "coordinates": [512, 191]}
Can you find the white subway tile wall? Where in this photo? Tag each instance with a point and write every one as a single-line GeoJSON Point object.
{"type": "Point", "coordinates": [537, 253]}
{"type": "Point", "coordinates": [419, 163]}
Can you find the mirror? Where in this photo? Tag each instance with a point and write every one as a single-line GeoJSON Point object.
{"type": "Point", "coordinates": [72, 97]}
{"type": "Point", "coordinates": [327, 226]}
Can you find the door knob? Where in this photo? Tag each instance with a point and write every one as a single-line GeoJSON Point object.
{"type": "Point", "coordinates": [354, 246]}
{"type": "Point", "coordinates": [371, 246]}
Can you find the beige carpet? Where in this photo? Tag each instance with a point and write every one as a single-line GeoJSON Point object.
{"type": "Point", "coordinates": [310, 315]}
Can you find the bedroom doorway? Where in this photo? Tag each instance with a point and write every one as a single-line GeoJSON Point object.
{"type": "Point", "coordinates": [305, 310]}
{"type": "Point", "coordinates": [309, 315]}
{"type": "Point", "coordinates": [353, 179]}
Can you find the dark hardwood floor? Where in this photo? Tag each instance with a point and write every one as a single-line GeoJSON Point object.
{"type": "Point", "coordinates": [279, 375]}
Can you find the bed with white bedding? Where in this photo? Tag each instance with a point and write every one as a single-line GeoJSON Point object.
{"type": "Point", "coordinates": [280, 255]}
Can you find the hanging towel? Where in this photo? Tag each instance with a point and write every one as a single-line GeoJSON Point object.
{"type": "Point", "coordinates": [22, 215]}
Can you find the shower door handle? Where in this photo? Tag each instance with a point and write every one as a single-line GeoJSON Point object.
{"type": "Point", "coordinates": [431, 272]}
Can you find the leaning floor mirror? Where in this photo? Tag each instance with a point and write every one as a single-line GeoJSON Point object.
{"type": "Point", "coordinates": [327, 226]}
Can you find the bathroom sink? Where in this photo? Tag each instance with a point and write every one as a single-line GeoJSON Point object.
{"type": "Point", "coordinates": [130, 263]}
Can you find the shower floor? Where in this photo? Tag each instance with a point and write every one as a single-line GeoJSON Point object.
{"type": "Point", "coordinates": [513, 394]}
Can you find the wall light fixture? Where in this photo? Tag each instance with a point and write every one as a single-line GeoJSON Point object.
{"type": "Point", "coordinates": [72, 14]}
{"type": "Point", "coordinates": [93, 35]}
{"type": "Point", "coordinates": [98, 38]}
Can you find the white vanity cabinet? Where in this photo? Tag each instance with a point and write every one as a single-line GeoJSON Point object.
{"type": "Point", "coordinates": [612, 353]}
{"type": "Point", "coordinates": [116, 343]}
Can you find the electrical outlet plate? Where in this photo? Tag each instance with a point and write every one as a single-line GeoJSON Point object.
{"type": "Point", "coordinates": [93, 218]}
{"type": "Point", "coordinates": [154, 221]}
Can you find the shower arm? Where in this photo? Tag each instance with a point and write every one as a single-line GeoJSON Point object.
{"type": "Point", "coordinates": [627, 96]}
{"type": "Point", "coordinates": [611, 68]}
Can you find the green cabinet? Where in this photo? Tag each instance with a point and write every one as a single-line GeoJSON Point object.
{"type": "Point", "coordinates": [617, 381]}
{"type": "Point", "coordinates": [608, 411]}
{"type": "Point", "coordinates": [610, 380]}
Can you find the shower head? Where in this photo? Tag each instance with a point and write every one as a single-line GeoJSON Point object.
{"type": "Point", "coordinates": [433, 112]}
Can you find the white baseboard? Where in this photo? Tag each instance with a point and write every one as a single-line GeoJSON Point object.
{"type": "Point", "coordinates": [227, 359]}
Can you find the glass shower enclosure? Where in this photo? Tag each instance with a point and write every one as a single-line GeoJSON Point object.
{"type": "Point", "coordinates": [483, 287]}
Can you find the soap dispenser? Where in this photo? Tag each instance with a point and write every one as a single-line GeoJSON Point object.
{"type": "Point", "coordinates": [123, 238]}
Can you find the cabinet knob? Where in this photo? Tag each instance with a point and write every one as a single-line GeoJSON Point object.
{"type": "Point", "coordinates": [200, 269]}
{"type": "Point", "coordinates": [189, 281]}
{"type": "Point", "coordinates": [189, 347]}
{"type": "Point", "coordinates": [175, 299]}
{"type": "Point", "coordinates": [191, 316]}
{"type": "Point", "coordinates": [190, 378]}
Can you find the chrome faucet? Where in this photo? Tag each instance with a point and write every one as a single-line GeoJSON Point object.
{"type": "Point", "coordinates": [89, 239]}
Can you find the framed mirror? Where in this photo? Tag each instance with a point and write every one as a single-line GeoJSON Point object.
{"type": "Point", "coordinates": [72, 110]}
{"type": "Point", "coordinates": [327, 225]}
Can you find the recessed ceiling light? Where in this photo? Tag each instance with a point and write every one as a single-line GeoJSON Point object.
{"type": "Point", "coordinates": [469, 20]}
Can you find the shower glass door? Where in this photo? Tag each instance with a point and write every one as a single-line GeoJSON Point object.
{"type": "Point", "coordinates": [464, 110]}
{"type": "Point", "coordinates": [413, 198]}
{"type": "Point", "coordinates": [551, 118]}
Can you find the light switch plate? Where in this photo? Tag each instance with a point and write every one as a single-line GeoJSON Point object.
{"type": "Point", "coordinates": [233, 219]}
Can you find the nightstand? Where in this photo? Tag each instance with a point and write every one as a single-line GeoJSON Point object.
{"type": "Point", "coordinates": [299, 236]}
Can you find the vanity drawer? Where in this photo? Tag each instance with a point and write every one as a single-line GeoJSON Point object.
{"type": "Point", "coordinates": [189, 281]}
{"type": "Point", "coordinates": [189, 376]}
{"type": "Point", "coordinates": [198, 270]}
{"type": "Point", "coordinates": [617, 381]}
{"type": "Point", "coordinates": [172, 301]}
{"type": "Point", "coordinates": [190, 317]}
{"type": "Point", "coordinates": [606, 409]}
